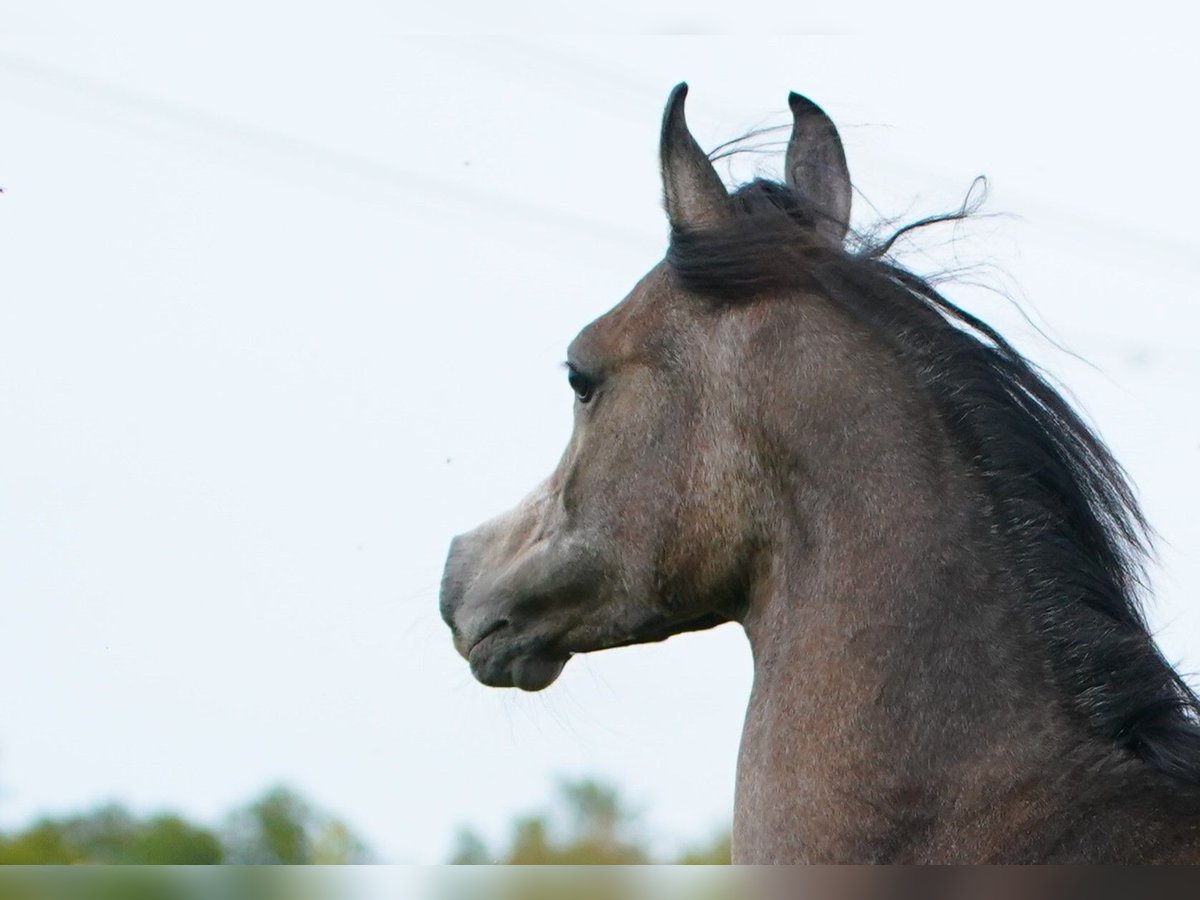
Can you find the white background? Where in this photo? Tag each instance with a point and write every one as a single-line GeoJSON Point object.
{"type": "Point", "coordinates": [283, 299]}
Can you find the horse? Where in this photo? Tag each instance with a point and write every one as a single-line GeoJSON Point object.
{"type": "Point", "coordinates": [937, 563]}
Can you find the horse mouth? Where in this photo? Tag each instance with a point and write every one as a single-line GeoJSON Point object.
{"type": "Point", "coordinates": [527, 668]}
{"type": "Point", "coordinates": [501, 659]}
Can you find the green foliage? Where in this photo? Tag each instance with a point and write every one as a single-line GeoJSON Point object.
{"type": "Point", "coordinates": [469, 849]}
{"type": "Point", "coordinates": [170, 837]}
{"type": "Point", "coordinates": [590, 825]}
{"type": "Point", "coordinates": [271, 831]}
{"type": "Point", "coordinates": [111, 835]}
{"type": "Point", "coordinates": [715, 853]}
{"type": "Point", "coordinates": [279, 827]}
{"type": "Point", "coordinates": [43, 843]}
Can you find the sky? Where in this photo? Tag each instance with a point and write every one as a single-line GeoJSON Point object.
{"type": "Point", "coordinates": [285, 300]}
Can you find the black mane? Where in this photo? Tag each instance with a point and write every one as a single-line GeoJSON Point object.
{"type": "Point", "coordinates": [1060, 498]}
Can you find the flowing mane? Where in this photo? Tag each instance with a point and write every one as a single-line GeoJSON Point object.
{"type": "Point", "coordinates": [1063, 503]}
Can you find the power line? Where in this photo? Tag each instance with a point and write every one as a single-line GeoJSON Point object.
{"type": "Point", "coordinates": [364, 168]}
{"type": "Point", "coordinates": [313, 153]}
{"type": "Point", "coordinates": [590, 73]}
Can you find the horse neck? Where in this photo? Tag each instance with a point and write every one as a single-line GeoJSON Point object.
{"type": "Point", "coordinates": [902, 698]}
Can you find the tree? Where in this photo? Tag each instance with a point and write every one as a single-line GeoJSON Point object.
{"type": "Point", "coordinates": [715, 853]}
{"type": "Point", "coordinates": [278, 828]}
{"type": "Point", "coordinates": [281, 828]}
{"type": "Point", "coordinates": [589, 825]}
{"type": "Point", "coordinates": [469, 849]}
{"type": "Point", "coordinates": [110, 834]}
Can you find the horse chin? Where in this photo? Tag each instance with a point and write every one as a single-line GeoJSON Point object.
{"type": "Point", "coordinates": [534, 673]}
{"type": "Point", "coordinates": [529, 671]}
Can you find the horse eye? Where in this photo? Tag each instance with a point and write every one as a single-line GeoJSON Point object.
{"type": "Point", "coordinates": [580, 384]}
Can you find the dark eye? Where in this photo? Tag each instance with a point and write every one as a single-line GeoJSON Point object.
{"type": "Point", "coordinates": [583, 386]}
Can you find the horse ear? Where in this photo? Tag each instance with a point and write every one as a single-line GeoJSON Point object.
{"type": "Point", "coordinates": [816, 167]}
{"type": "Point", "coordinates": [692, 190]}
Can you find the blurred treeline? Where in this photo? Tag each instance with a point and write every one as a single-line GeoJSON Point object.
{"type": "Point", "coordinates": [279, 828]}
{"type": "Point", "coordinates": [588, 823]}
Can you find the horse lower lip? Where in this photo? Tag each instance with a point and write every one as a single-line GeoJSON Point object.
{"type": "Point", "coordinates": [530, 672]}
{"type": "Point", "coordinates": [533, 673]}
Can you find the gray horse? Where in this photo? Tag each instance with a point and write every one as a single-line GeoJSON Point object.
{"type": "Point", "coordinates": [935, 560]}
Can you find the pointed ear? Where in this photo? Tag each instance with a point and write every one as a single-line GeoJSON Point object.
{"type": "Point", "coordinates": [816, 167]}
{"type": "Point", "coordinates": [692, 190]}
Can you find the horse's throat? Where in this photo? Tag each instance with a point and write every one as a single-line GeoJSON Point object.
{"type": "Point", "coordinates": [886, 704]}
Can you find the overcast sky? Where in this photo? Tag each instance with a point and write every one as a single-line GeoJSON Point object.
{"type": "Point", "coordinates": [284, 304]}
